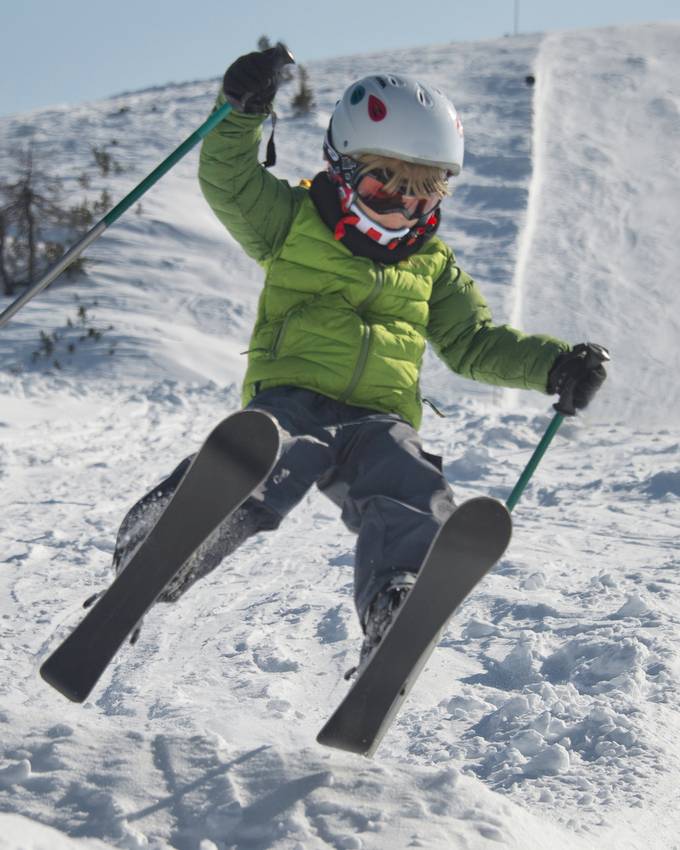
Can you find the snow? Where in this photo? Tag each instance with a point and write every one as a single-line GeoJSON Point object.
{"type": "Point", "coordinates": [549, 714]}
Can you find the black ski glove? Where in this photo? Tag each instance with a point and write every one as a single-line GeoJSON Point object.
{"type": "Point", "coordinates": [577, 375]}
{"type": "Point", "coordinates": [250, 83]}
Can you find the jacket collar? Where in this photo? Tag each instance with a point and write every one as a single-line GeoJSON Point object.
{"type": "Point", "coordinates": [324, 194]}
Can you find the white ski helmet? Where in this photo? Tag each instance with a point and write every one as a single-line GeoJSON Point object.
{"type": "Point", "coordinates": [398, 116]}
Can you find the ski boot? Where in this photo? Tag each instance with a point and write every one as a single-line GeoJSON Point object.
{"type": "Point", "coordinates": [379, 616]}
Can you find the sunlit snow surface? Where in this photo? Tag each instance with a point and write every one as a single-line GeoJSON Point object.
{"type": "Point", "coordinates": [549, 716]}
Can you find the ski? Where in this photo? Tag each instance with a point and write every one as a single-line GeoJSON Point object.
{"type": "Point", "coordinates": [469, 543]}
{"type": "Point", "coordinates": [235, 458]}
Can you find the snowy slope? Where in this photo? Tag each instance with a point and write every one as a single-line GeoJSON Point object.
{"type": "Point", "coordinates": [549, 715]}
{"type": "Point", "coordinates": [607, 148]}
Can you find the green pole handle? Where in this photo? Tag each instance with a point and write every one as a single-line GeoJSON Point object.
{"type": "Point", "coordinates": [113, 215]}
{"type": "Point", "coordinates": [530, 468]}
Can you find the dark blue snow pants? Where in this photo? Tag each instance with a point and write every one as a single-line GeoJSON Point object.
{"type": "Point", "coordinates": [391, 492]}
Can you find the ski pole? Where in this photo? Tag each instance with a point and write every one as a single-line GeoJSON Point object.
{"type": "Point", "coordinates": [284, 57]}
{"type": "Point", "coordinates": [535, 459]}
{"type": "Point", "coordinates": [592, 355]}
{"type": "Point", "coordinates": [114, 214]}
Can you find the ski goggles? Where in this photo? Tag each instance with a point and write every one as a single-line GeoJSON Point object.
{"type": "Point", "coordinates": [370, 188]}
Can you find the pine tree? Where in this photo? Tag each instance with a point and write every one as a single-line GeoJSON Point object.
{"type": "Point", "coordinates": [303, 101]}
{"type": "Point", "coordinates": [30, 215]}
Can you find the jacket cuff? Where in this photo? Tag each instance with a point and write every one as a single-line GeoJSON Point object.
{"type": "Point", "coordinates": [223, 98]}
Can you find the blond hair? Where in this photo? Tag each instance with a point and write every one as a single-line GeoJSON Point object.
{"type": "Point", "coordinates": [418, 179]}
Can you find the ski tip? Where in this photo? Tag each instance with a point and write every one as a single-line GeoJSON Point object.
{"type": "Point", "coordinates": [260, 420]}
{"type": "Point", "coordinates": [488, 520]}
{"type": "Point", "coordinates": [254, 434]}
{"type": "Point", "coordinates": [490, 506]}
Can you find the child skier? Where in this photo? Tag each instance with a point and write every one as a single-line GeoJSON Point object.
{"type": "Point", "coordinates": [357, 282]}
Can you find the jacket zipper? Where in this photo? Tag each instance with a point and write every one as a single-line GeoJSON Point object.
{"type": "Point", "coordinates": [367, 331]}
{"type": "Point", "coordinates": [278, 338]}
{"type": "Point", "coordinates": [361, 364]}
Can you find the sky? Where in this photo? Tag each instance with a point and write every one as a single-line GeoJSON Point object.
{"type": "Point", "coordinates": [79, 50]}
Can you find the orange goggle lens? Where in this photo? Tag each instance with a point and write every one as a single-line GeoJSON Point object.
{"type": "Point", "coordinates": [371, 189]}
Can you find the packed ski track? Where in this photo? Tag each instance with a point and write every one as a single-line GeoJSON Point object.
{"type": "Point", "coordinates": [549, 716]}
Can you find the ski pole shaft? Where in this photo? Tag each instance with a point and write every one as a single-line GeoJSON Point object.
{"type": "Point", "coordinates": [535, 459]}
{"type": "Point", "coordinates": [114, 214]}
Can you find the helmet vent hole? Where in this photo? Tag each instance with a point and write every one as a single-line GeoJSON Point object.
{"type": "Point", "coordinates": [382, 82]}
{"type": "Point", "coordinates": [424, 97]}
{"type": "Point", "coordinates": [395, 81]}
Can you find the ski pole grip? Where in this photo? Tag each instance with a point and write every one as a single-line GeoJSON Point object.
{"type": "Point", "coordinates": [271, 61]}
{"type": "Point", "coordinates": [565, 403]}
{"type": "Point", "coordinates": [283, 56]}
{"type": "Point", "coordinates": [594, 356]}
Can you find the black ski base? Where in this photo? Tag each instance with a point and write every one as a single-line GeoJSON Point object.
{"type": "Point", "coordinates": [467, 546]}
{"type": "Point", "coordinates": [235, 458]}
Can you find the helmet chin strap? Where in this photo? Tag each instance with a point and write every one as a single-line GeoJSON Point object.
{"type": "Point", "coordinates": [365, 224]}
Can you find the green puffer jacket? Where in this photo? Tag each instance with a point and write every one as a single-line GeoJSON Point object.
{"type": "Point", "coordinates": [344, 325]}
